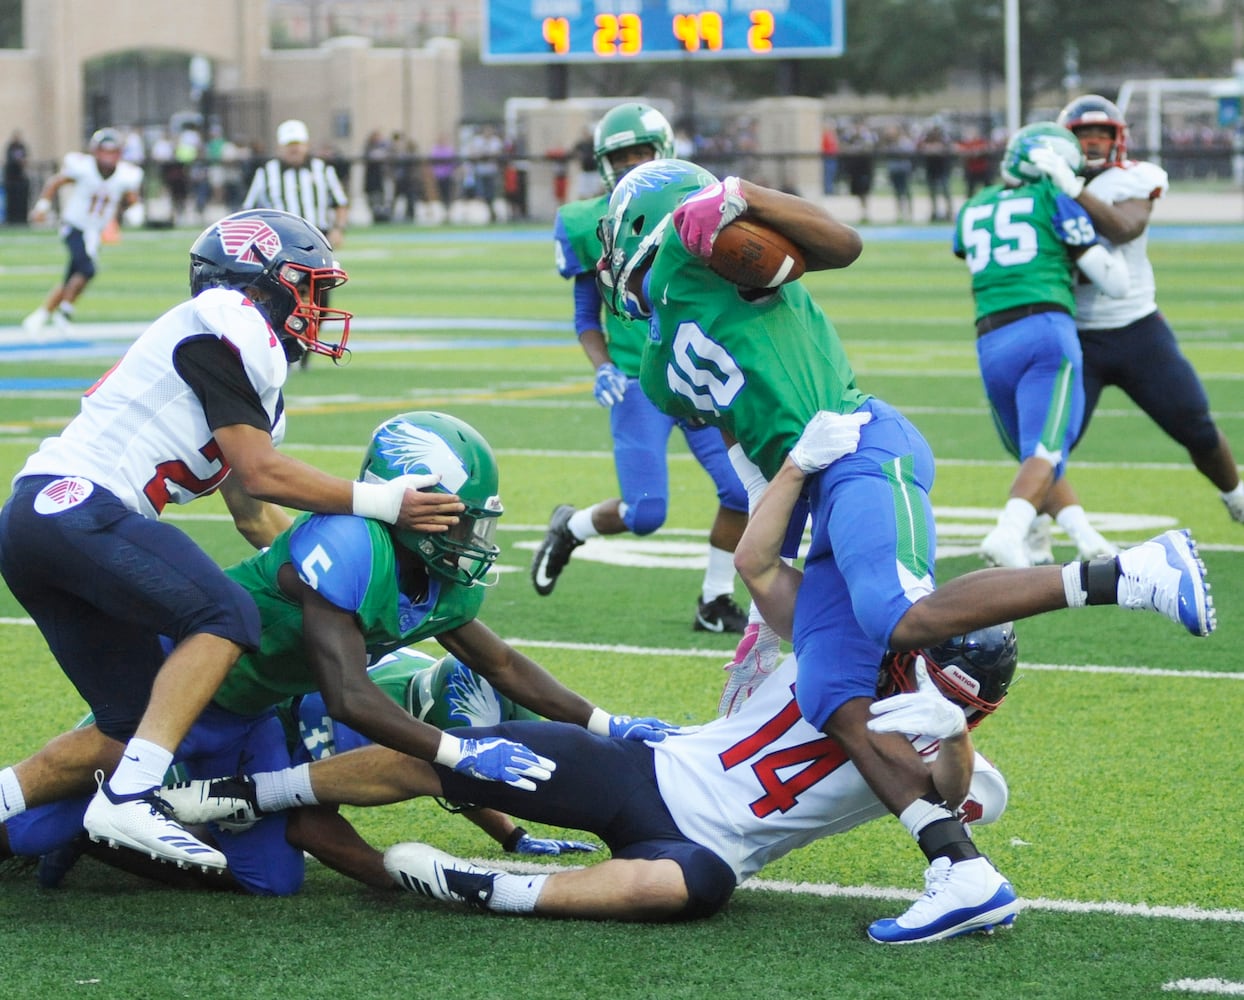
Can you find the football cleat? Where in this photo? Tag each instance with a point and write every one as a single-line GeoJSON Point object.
{"type": "Point", "coordinates": [145, 823]}
{"type": "Point", "coordinates": [720, 614]}
{"type": "Point", "coordinates": [1091, 544]}
{"type": "Point", "coordinates": [34, 324]}
{"type": "Point", "coordinates": [1004, 548]}
{"type": "Point", "coordinates": [1039, 542]}
{"type": "Point", "coordinates": [426, 871]}
{"type": "Point", "coordinates": [228, 802]}
{"type": "Point", "coordinates": [958, 898]}
{"type": "Point", "coordinates": [1166, 575]}
{"type": "Point", "coordinates": [554, 552]}
{"type": "Point", "coordinates": [1235, 507]}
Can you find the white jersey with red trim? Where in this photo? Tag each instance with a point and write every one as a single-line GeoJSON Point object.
{"type": "Point", "coordinates": [755, 785]}
{"type": "Point", "coordinates": [1095, 310]}
{"type": "Point", "coordinates": [142, 433]}
{"type": "Point", "coordinates": [93, 200]}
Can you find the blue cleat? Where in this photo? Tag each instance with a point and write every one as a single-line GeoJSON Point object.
{"type": "Point", "coordinates": [960, 898]}
{"type": "Point", "coordinates": [1166, 575]}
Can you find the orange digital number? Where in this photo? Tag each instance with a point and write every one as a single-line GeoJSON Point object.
{"type": "Point", "coordinates": [618, 35]}
{"type": "Point", "coordinates": [557, 34]}
{"type": "Point", "coordinates": [760, 34]}
{"type": "Point", "coordinates": [694, 30]}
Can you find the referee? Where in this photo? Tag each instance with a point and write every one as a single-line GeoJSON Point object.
{"type": "Point", "coordinates": [295, 181]}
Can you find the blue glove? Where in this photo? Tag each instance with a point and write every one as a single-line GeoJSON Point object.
{"type": "Point", "coordinates": [626, 728]}
{"type": "Point", "coordinates": [527, 844]}
{"type": "Point", "coordinates": [610, 385]}
{"type": "Point", "coordinates": [500, 760]}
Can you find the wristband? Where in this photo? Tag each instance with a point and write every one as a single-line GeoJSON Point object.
{"type": "Point", "coordinates": [379, 501]}
{"type": "Point", "coordinates": [598, 722]}
{"type": "Point", "coordinates": [510, 844]}
{"type": "Point", "coordinates": [449, 753]}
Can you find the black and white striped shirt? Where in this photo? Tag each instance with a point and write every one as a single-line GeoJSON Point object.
{"type": "Point", "coordinates": [311, 191]}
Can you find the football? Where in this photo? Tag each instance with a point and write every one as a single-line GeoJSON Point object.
{"type": "Point", "coordinates": [753, 255]}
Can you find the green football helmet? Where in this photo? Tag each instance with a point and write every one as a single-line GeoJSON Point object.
{"type": "Point", "coordinates": [634, 224]}
{"type": "Point", "coordinates": [630, 125]}
{"type": "Point", "coordinates": [1017, 169]}
{"type": "Point", "coordinates": [423, 441]}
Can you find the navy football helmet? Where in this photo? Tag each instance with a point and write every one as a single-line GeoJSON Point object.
{"type": "Point", "coordinates": [285, 265]}
{"type": "Point", "coordinates": [1093, 109]}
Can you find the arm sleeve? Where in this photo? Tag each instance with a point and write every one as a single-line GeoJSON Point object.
{"type": "Point", "coordinates": [217, 378]}
{"type": "Point", "coordinates": [1106, 269]}
{"type": "Point", "coordinates": [587, 304]}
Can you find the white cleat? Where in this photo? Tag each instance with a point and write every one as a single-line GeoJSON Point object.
{"type": "Point", "coordinates": [227, 802]}
{"type": "Point", "coordinates": [1039, 542]}
{"type": "Point", "coordinates": [1166, 575]}
{"type": "Point", "coordinates": [961, 898]}
{"type": "Point", "coordinates": [424, 870]}
{"type": "Point", "coordinates": [145, 823]}
{"type": "Point", "coordinates": [1004, 548]}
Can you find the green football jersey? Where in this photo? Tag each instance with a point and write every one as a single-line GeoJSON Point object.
{"type": "Point", "coordinates": [759, 370]}
{"type": "Point", "coordinates": [577, 248]}
{"type": "Point", "coordinates": [1018, 244]}
{"type": "Point", "coordinates": [354, 564]}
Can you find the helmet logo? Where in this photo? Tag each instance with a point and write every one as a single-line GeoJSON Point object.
{"type": "Point", "coordinates": [250, 241]}
{"type": "Point", "coordinates": [417, 449]}
{"type": "Point", "coordinates": [653, 176]}
{"type": "Point", "coordinates": [961, 679]}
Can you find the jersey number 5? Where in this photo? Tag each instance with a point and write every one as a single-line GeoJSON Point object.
{"type": "Point", "coordinates": [991, 233]}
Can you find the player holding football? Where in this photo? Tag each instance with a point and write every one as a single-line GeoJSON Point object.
{"type": "Point", "coordinates": [627, 135]}
{"type": "Point", "coordinates": [196, 397]}
{"type": "Point", "coordinates": [1024, 242]}
{"type": "Point", "coordinates": [102, 187]}
{"type": "Point", "coordinates": [688, 819]}
{"type": "Point", "coordinates": [335, 591]}
{"type": "Point", "coordinates": [768, 367]}
{"type": "Point", "coordinates": [1126, 341]}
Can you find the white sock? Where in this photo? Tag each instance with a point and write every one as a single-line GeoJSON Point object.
{"type": "Point", "coordinates": [516, 893]}
{"type": "Point", "coordinates": [66, 309]}
{"type": "Point", "coordinates": [287, 789]}
{"type": "Point", "coordinates": [1017, 516]}
{"type": "Point", "coordinates": [12, 801]}
{"type": "Point", "coordinates": [142, 768]}
{"type": "Point", "coordinates": [719, 577]}
{"type": "Point", "coordinates": [580, 524]}
{"type": "Point", "coordinates": [1235, 494]}
{"type": "Point", "coordinates": [1075, 522]}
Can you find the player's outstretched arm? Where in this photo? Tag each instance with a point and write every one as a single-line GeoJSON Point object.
{"type": "Point", "coordinates": [268, 474]}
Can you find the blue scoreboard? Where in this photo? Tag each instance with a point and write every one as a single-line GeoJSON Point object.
{"type": "Point", "coordinates": [556, 31]}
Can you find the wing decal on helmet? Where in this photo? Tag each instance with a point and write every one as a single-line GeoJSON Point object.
{"type": "Point", "coordinates": [250, 241]}
{"type": "Point", "coordinates": [417, 449]}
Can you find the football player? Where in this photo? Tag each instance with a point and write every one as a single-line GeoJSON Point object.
{"type": "Point", "coordinates": [1023, 242]}
{"type": "Point", "coordinates": [768, 367]}
{"type": "Point", "coordinates": [1126, 341]}
{"type": "Point", "coordinates": [196, 397]}
{"type": "Point", "coordinates": [102, 186]}
{"type": "Point", "coordinates": [335, 591]}
{"type": "Point", "coordinates": [627, 135]}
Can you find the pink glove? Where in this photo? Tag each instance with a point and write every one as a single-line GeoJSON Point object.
{"type": "Point", "coordinates": [702, 216]}
{"type": "Point", "coordinates": [755, 658]}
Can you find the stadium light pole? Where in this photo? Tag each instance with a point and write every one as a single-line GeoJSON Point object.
{"type": "Point", "coordinates": [1011, 33]}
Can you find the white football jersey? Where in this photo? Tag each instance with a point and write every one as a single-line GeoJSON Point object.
{"type": "Point", "coordinates": [1095, 310]}
{"type": "Point", "coordinates": [755, 785]}
{"type": "Point", "coordinates": [142, 433]}
{"type": "Point", "coordinates": [92, 200]}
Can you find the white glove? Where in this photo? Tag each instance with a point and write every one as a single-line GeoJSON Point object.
{"type": "Point", "coordinates": [924, 712]}
{"type": "Point", "coordinates": [383, 501]}
{"type": "Point", "coordinates": [1056, 169]}
{"type": "Point", "coordinates": [827, 438]}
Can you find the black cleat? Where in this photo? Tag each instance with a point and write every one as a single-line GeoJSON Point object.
{"type": "Point", "coordinates": [554, 552]}
{"type": "Point", "coordinates": [720, 614]}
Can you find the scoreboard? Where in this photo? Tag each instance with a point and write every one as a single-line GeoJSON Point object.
{"type": "Point", "coordinates": [556, 31]}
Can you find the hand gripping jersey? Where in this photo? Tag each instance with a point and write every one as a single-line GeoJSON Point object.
{"type": "Point", "coordinates": [351, 562]}
{"type": "Point", "coordinates": [1017, 242]}
{"type": "Point", "coordinates": [141, 432]}
{"type": "Point", "coordinates": [93, 200]}
{"type": "Point", "coordinates": [703, 337]}
{"type": "Point", "coordinates": [443, 693]}
{"type": "Point", "coordinates": [755, 785]}
{"type": "Point", "coordinates": [576, 249]}
{"type": "Point", "coordinates": [1094, 309]}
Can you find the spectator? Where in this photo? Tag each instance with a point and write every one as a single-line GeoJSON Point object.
{"type": "Point", "coordinates": [937, 154]}
{"type": "Point", "coordinates": [444, 166]}
{"type": "Point", "coordinates": [859, 163]}
{"type": "Point", "coordinates": [829, 156]}
{"type": "Point", "coordinates": [408, 181]}
{"type": "Point", "coordinates": [978, 163]}
{"type": "Point", "coordinates": [16, 183]}
{"type": "Point", "coordinates": [584, 151]}
{"type": "Point", "coordinates": [899, 148]}
{"type": "Point", "coordinates": [376, 152]}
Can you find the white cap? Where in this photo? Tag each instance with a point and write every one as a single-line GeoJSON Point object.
{"type": "Point", "coordinates": [292, 131]}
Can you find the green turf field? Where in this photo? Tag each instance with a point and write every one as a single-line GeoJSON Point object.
{"type": "Point", "coordinates": [1123, 829]}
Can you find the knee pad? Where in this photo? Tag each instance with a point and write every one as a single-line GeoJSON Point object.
{"type": "Point", "coordinates": [646, 515]}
